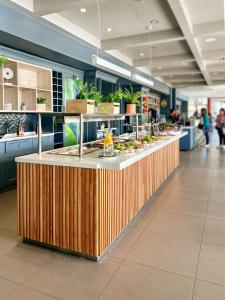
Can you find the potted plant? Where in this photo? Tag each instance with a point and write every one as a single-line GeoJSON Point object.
{"type": "Point", "coordinates": [132, 100]}
{"type": "Point", "coordinates": [41, 104]}
{"type": "Point", "coordinates": [111, 103]}
{"type": "Point", "coordinates": [85, 100]}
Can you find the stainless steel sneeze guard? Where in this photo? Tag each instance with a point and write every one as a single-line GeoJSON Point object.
{"type": "Point", "coordinates": [81, 117]}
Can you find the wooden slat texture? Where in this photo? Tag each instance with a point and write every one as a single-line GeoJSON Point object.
{"type": "Point", "coordinates": [84, 210]}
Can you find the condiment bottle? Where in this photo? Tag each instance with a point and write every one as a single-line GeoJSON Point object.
{"type": "Point", "coordinates": [108, 144]}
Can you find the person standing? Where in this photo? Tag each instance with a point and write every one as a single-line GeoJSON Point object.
{"type": "Point", "coordinates": [220, 123]}
{"type": "Point", "coordinates": [206, 125]}
{"type": "Point", "coordinates": [172, 116]}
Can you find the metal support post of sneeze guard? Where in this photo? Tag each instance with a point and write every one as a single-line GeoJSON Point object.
{"type": "Point", "coordinates": [136, 126]}
{"type": "Point", "coordinates": [81, 136]}
{"type": "Point", "coordinates": [39, 134]}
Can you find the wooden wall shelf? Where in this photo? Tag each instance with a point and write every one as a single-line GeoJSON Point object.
{"type": "Point", "coordinates": [28, 83]}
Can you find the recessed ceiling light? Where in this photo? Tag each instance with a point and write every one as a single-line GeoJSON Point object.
{"type": "Point", "coordinates": [154, 21]}
{"type": "Point", "coordinates": [83, 10]}
{"type": "Point", "coordinates": [109, 29]}
{"type": "Point", "coordinates": [141, 54]}
{"type": "Point", "coordinates": [210, 40]}
{"type": "Point", "coordinates": [149, 27]}
{"type": "Point", "coordinates": [159, 67]}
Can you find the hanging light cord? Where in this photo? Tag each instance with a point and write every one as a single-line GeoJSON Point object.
{"type": "Point", "coordinates": [99, 27]}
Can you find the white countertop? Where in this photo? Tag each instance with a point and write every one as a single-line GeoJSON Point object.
{"type": "Point", "coordinates": [188, 127]}
{"type": "Point", "coordinates": [92, 161]}
{"type": "Point", "coordinates": [24, 137]}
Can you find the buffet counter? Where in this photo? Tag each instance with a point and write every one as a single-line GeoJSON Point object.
{"type": "Point", "coordinates": [82, 205]}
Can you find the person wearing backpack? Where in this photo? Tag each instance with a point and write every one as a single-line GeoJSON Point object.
{"type": "Point", "coordinates": [220, 126]}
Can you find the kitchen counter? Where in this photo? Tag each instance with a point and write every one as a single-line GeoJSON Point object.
{"type": "Point", "coordinates": [24, 137]}
{"type": "Point", "coordinates": [91, 161]}
{"type": "Point", "coordinates": [82, 205]}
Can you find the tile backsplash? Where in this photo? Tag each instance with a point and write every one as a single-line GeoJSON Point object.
{"type": "Point", "coordinates": [11, 122]}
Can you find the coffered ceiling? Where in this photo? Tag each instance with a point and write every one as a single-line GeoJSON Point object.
{"type": "Point", "coordinates": [181, 42]}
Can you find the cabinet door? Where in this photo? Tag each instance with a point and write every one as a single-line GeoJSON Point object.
{"type": "Point", "coordinates": [18, 148]}
{"type": "Point", "coordinates": [10, 172]}
{"type": "Point", "coordinates": [47, 143]}
{"type": "Point", "coordinates": [2, 165]}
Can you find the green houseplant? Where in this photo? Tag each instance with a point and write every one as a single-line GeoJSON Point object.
{"type": "Point", "coordinates": [41, 104]}
{"type": "Point", "coordinates": [85, 101]}
{"type": "Point", "coordinates": [132, 99]}
{"type": "Point", "coordinates": [111, 103]}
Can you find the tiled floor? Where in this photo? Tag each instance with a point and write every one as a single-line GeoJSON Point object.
{"type": "Point", "coordinates": [173, 250]}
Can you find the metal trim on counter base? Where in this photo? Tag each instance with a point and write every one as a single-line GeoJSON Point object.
{"type": "Point", "coordinates": [62, 250]}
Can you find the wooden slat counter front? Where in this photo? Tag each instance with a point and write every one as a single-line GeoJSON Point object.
{"type": "Point", "coordinates": [83, 209]}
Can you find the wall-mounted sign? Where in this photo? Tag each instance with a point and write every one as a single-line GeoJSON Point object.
{"type": "Point", "coordinates": [163, 103]}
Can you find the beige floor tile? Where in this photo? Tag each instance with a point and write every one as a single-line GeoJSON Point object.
{"type": "Point", "coordinates": [185, 206]}
{"type": "Point", "coordinates": [9, 221]}
{"type": "Point", "coordinates": [208, 291]}
{"type": "Point", "coordinates": [217, 196]}
{"type": "Point", "coordinates": [218, 186]}
{"type": "Point", "coordinates": [193, 182]}
{"type": "Point", "coordinates": [66, 277]}
{"type": "Point", "coordinates": [189, 193]}
{"type": "Point", "coordinates": [24, 293]}
{"type": "Point", "coordinates": [22, 261]}
{"type": "Point", "coordinates": [166, 252]}
{"type": "Point", "coordinates": [124, 243]}
{"type": "Point", "coordinates": [133, 281]}
{"type": "Point", "coordinates": [6, 288]}
{"type": "Point", "coordinates": [216, 210]}
{"type": "Point", "coordinates": [8, 241]}
{"type": "Point", "coordinates": [211, 266]}
{"type": "Point", "coordinates": [177, 224]}
{"type": "Point", "coordinates": [214, 231]}
{"type": "Point", "coordinates": [7, 202]}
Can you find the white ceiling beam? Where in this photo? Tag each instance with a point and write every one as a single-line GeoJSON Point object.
{"type": "Point", "coordinates": [46, 7]}
{"type": "Point", "coordinates": [184, 77]}
{"type": "Point", "coordinates": [212, 54]}
{"type": "Point", "coordinates": [220, 67]}
{"type": "Point", "coordinates": [218, 82]}
{"type": "Point", "coordinates": [180, 12]}
{"type": "Point", "coordinates": [209, 28]}
{"type": "Point", "coordinates": [64, 24]}
{"type": "Point", "coordinates": [218, 77]}
{"type": "Point", "coordinates": [190, 80]}
{"type": "Point", "coordinates": [165, 36]}
{"type": "Point", "coordinates": [172, 72]}
{"type": "Point", "coordinates": [184, 85]}
{"type": "Point", "coordinates": [163, 60]}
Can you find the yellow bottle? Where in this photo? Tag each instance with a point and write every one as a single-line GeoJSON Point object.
{"type": "Point", "coordinates": [108, 143]}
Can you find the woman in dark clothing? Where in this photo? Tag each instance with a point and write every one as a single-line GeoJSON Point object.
{"type": "Point", "coordinates": [220, 123]}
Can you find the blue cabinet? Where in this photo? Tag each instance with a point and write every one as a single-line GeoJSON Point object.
{"type": "Point", "coordinates": [188, 142]}
{"type": "Point", "coordinates": [9, 150]}
{"type": "Point", "coordinates": [19, 148]}
{"type": "Point", "coordinates": [2, 165]}
{"type": "Point", "coordinates": [47, 143]}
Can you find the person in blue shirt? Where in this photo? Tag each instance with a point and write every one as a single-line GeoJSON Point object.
{"type": "Point", "coordinates": [206, 125]}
